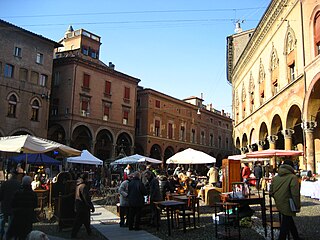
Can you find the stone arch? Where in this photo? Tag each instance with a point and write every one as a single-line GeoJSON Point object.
{"type": "Point", "coordinates": [104, 143]}
{"type": "Point", "coordinates": [276, 129]}
{"type": "Point", "coordinates": [263, 134]}
{"type": "Point", "coordinates": [168, 152]}
{"type": "Point", "coordinates": [252, 140]}
{"type": "Point", "coordinates": [57, 133]}
{"type": "Point", "coordinates": [312, 36]}
{"type": "Point", "coordinates": [82, 138]}
{"type": "Point", "coordinates": [21, 131]}
{"type": "Point", "coordinates": [124, 143]}
{"type": "Point", "coordinates": [244, 147]}
{"type": "Point", "coordinates": [294, 122]}
{"type": "Point", "coordinates": [156, 151]}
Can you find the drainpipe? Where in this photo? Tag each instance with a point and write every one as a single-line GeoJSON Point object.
{"type": "Point", "coordinates": [73, 93]}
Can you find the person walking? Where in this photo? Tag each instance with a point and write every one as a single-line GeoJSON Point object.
{"type": "Point", "coordinates": [136, 193]}
{"type": "Point", "coordinates": [7, 191]}
{"type": "Point", "coordinates": [257, 171]}
{"type": "Point", "coordinates": [245, 172]}
{"type": "Point", "coordinates": [23, 204]}
{"type": "Point", "coordinates": [155, 195]}
{"type": "Point", "coordinates": [82, 205]}
{"type": "Point", "coordinates": [124, 202]}
{"type": "Point", "coordinates": [284, 186]}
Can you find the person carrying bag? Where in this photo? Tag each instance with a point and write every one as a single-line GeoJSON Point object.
{"type": "Point", "coordinates": [285, 186]}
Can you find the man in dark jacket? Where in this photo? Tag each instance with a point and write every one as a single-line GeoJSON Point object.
{"type": "Point", "coordinates": [83, 205]}
{"type": "Point", "coordinates": [155, 195]}
{"type": "Point", "coordinates": [136, 193]}
{"type": "Point", "coordinates": [257, 171]}
{"type": "Point", "coordinates": [284, 186]}
{"type": "Point", "coordinates": [23, 204]}
{"type": "Point", "coordinates": [7, 191]}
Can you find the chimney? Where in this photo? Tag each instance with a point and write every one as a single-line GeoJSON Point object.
{"type": "Point", "coordinates": [238, 28]}
{"type": "Point", "coordinates": [111, 65]}
{"type": "Point", "coordinates": [222, 112]}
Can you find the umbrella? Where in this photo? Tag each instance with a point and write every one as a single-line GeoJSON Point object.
{"type": "Point", "coordinates": [32, 144]}
{"type": "Point", "coordinates": [136, 158]}
{"type": "Point", "coordinates": [191, 156]}
{"type": "Point", "coordinates": [36, 158]}
{"type": "Point", "coordinates": [274, 153]}
{"type": "Point", "coordinates": [85, 158]}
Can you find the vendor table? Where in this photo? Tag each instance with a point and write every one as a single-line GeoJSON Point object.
{"type": "Point", "coordinates": [310, 189]}
{"type": "Point", "coordinates": [171, 206]}
{"type": "Point", "coordinates": [250, 200]}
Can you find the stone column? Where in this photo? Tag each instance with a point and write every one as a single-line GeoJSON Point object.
{"type": "Point", "coordinates": [272, 143]}
{"type": "Point", "coordinates": [287, 133]}
{"type": "Point", "coordinates": [261, 143]}
{"type": "Point", "coordinates": [308, 128]}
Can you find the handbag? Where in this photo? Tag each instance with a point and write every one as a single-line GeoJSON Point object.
{"type": "Point", "coordinates": [293, 206]}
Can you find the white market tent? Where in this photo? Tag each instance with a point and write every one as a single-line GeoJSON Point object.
{"type": "Point", "coordinates": [191, 156]}
{"type": "Point", "coordinates": [33, 144]}
{"type": "Point", "coordinates": [136, 158]}
{"type": "Point", "coordinates": [85, 158]}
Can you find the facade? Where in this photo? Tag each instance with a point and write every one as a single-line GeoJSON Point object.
{"type": "Point", "coordinates": [25, 81]}
{"type": "Point", "coordinates": [93, 106]}
{"type": "Point", "coordinates": [276, 82]}
{"type": "Point", "coordinates": [166, 125]}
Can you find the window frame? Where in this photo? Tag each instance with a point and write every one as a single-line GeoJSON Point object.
{"type": "Point", "coordinates": [17, 52]}
{"type": "Point", "coordinates": [39, 58]}
{"type": "Point", "coordinates": [8, 70]}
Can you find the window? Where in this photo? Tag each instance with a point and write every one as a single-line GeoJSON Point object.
{"type": "Point", "coordinates": [55, 107]}
{"type": "Point", "coordinates": [202, 138]}
{"type": "Point", "coordinates": [34, 77]}
{"type": "Point", "coordinates": [8, 70]}
{"type": "Point", "coordinates": [211, 140]}
{"type": "Point", "coordinates": [106, 111]}
{"type": "Point", "coordinates": [23, 74]}
{"type": "Point", "coordinates": [125, 117]}
{"type": "Point", "coordinates": [85, 50]}
{"type": "Point", "coordinates": [227, 143]}
{"type": "Point", "coordinates": [93, 53]}
{"type": "Point", "coordinates": [157, 128]}
{"type": "Point", "coordinates": [17, 52]}
{"type": "Point", "coordinates": [84, 105]}
{"type": "Point", "coordinates": [193, 135]}
{"type": "Point", "coordinates": [170, 130]}
{"type": "Point", "coordinates": [43, 80]}
{"type": "Point", "coordinates": [12, 107]}
{"type": "Point", "coordinates": [220, 142]}
{"type": "Point", "coordinates": [317, 32]}
{"type": "Point", "coordinates": [182, 133]}
{"type": "Point", "coordinates": [35, 110]}
{"type": "Point", "coordinates": [107, 88]}
{"type": "Point", "coordinates": [56, 79]}
{"type": "Point", "coordinates": [39, 58]}
{"type": "Point", "coordinates": [291, 72]}
{"type": "Point", "coordinates": [157, 104]}
{"type": "Point", "coordinates": [126, 97]}
{"type": "Point", "coordinates": [86, 81]}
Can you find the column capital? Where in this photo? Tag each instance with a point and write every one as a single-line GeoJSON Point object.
{"type": "Point", "coordinates": [309, 126]}
{"type": "Point", "coordinates": [243, 149]}
{"type": "Point", "coordinates": [272, 138]}
{"type": "Point", "coordinates": [261, 143]}
{"type": "Point", "coordinates": [287, 133]}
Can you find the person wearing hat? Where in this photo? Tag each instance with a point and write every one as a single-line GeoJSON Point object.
{"type": "Point", "coordinates": [82, 206]}
{"type": "Point", "coordinates": [284, 186]}
{"type": "Point", "coordinates": [23, 204]}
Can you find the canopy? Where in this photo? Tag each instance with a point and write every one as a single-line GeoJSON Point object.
{"type": "Point", "coordinates": [85, 158]}
{"type": "Point", "coordinates": [237, 157]}
{"type": "Point", "coordinates": [32, 144]}
{"type": "Point", "coordinates": [274, 153]}
{"type": "Point", "coordinates": [191, 156]}
{"type": "Point", "coordinates": [136, 158]}
{"type": "Point", "coordinates": [35, 158]}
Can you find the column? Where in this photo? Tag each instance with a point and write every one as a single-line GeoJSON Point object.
{"type": "Point", "coordinates": [308, 128]}
{"type": "Point", "coordinates": [287, 133]}
{"type": "Point", "coordinates": [272, 143]}
{"type": "Point", "coordinates": [261, 143]}
{"type": "Point", "coordinates": [250, 147]}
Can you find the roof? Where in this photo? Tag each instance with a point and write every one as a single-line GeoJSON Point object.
{"type": "Point", "coordinates": [10, 25]}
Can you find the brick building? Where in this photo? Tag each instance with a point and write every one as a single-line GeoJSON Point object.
{"type": "Point", "coordinates": [166, 125]}
{"type": "Point", "coordinates": [25, 81]}
{"type": "Point", "coordinates": [276, 81]}
{"type": "Point", "coordinates": [92, 104]}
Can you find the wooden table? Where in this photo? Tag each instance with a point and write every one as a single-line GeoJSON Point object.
{"type": "Point", "coordinates": [185, 199]}
{"type": "Point", "coordinates": [171, 206]}
{"type": "Point", "coordinates": [250, 200]}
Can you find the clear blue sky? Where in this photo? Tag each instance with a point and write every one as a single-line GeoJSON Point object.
{"type": "Point", "coordinates": [177, 47]}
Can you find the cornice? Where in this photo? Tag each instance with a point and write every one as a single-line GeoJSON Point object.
{"type": "Point", "coordinates": [275, 8]}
